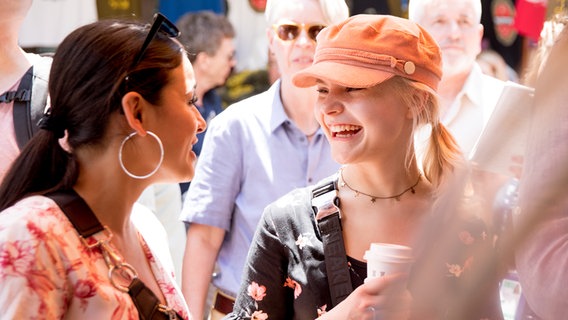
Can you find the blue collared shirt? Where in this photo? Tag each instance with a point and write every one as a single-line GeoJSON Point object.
{"type": "Point", "coordinates": [252, 155]}
{"type": "Point", "coordinates": [211, 107]}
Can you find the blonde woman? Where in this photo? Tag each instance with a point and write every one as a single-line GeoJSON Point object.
{"type": "Point", "coordinates": [376, 78]}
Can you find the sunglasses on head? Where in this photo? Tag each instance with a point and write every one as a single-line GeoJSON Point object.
{"type": "Point", "coordinates": [290, 31]}
{"type": "Point", "coordinates": [161, 24]}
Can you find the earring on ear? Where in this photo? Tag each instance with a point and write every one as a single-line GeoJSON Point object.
{"type": "Point", "coordinates": [120, 161]}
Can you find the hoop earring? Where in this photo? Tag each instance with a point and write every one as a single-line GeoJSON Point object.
{"type": "Point", "coordinates": [130, 174]}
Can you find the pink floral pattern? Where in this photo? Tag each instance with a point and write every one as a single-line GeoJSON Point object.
{"type": "Point", "coordinates": [294, 285]}
{"type": "Point", "coordinates": [47, 272]}
{"type": "Point", "coordinates": [256, 291]}
{"type": "Point", "coordinates": [285, 274]}
{"type": "Point", "coordinates": [455, 269]}
{"type": "Point", "coordinates": [466, 237]}
{"type": "Point", "coordinates": [322, 310]}
{"type": "Point", "coordinates": [303, 240]}
{"type": "Point", "coordinates": [259, 315]}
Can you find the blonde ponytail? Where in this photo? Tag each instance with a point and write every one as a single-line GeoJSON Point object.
{"type": "Point", "coordinates": [442, 154]}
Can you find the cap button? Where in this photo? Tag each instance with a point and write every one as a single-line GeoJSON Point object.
{"type": "Point", "coordinates": [409, 67]}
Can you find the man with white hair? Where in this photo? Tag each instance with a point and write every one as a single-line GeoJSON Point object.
{"type": "Point", "coordinates": [467, 96]}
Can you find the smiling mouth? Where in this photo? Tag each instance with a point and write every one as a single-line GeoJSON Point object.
{"type": "Point", "coordinates": [344, 131]}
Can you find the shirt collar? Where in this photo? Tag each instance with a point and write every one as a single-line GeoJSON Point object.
{"type": "Point", "coordinates": [278, 116]}
{"type": "Point", "coordinates": [471, 91]}
{"type": "Point", "coordinates": [473, 85]}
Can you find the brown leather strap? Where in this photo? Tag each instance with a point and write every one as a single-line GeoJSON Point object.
{"type": "Point", "coordinates": [78, 212]}
{"type": "Point", "coordinates": [87, 224]}
{"type": "Point", "coordinates": [147, 303]}
{"type": "Point", "coordinates": [223, 303]}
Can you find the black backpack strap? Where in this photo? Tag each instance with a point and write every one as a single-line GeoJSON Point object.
{"type": "Point", "coordinates": [40, 98]}
{"type": "Point", "coordinates": [21, 113]}
{"type": "Point", "coordinates": [87, 224]}
{"type": "Point", "coordinates": [29, 100]}
{"type": "Point", "coordinates": [325, 204]}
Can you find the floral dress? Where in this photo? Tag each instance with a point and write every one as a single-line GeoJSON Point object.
{"type": "Point", "coordinates": [46, 272]}
{"type": "Point", "coordinates": [285, 276]}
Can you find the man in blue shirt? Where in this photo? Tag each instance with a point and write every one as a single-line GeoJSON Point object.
{"type": "Point", "coordinates": [255, 151]}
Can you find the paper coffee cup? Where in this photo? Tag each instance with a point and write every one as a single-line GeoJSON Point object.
{"type": "Point", "coordinates": [385, 258]}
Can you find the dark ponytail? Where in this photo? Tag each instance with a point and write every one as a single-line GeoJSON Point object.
{"type": "Point", "coordinates": [41, 166]}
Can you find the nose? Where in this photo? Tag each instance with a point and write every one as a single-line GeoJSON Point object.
{"type": "Point", "coordinates": [201, 123]}
{"type": "Point", "coordinates": [304, 39]}
{"type": "Point", "coordinates": [454, 30]}
{"type": "Point", "coordinates": [329, 106]}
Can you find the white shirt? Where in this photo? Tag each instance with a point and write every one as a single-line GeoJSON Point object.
{"type": "Point", "coordinates": [470, 111]}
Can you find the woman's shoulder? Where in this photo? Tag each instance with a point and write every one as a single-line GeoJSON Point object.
{"type": "Point", "coordinates": [34, 224]}
{"type": "Point", "coordinates": [35, 210]}
{"type": "Point", "coordinates": [295, 206]}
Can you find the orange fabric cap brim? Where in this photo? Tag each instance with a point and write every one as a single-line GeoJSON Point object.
{"type": "Point", "coordinates": [346, 75]}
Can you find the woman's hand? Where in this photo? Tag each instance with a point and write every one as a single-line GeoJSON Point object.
{"type": "Point", "coordinates": [378, 298]}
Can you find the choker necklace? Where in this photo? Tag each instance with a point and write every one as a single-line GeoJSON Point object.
{"type": "Point", "coordinates": [375, 198]}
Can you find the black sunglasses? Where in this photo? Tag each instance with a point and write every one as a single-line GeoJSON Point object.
{"type": "Point", "coordinates": [161, 23]}
{"type": "Point", "coordinates": [291, 31]}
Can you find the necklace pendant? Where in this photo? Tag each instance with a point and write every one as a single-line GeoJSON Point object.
{"type": "Point", "coordinates": [373, 199]}
{"type": "Point", "coordinates": [412, 190]}
{"type": "Point", "coordinates": [397, 198]}
{"type": "Point", "coordinates": [356, 193]}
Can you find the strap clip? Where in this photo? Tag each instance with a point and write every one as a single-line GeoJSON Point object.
{"type": "Point", "coordinates": [325, 201]}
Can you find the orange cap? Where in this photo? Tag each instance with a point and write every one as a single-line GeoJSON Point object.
{"type": "Point", "coordinates": [365, 50]}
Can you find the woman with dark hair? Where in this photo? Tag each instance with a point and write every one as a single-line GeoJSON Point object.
{"type": "Point", "coordinates": [121, 118]}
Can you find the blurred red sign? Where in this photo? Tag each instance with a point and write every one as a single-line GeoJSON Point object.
{"type": "Point", "coordinates": [503, 12]}
{"type": "Point", "coordinates": [258, 5]}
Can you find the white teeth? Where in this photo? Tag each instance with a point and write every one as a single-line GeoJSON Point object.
{"type": "Point", "coordinates": [343, 128]}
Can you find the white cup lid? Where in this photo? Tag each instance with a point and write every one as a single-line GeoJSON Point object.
{"type": "Point", "coordinates": [389, 251]}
